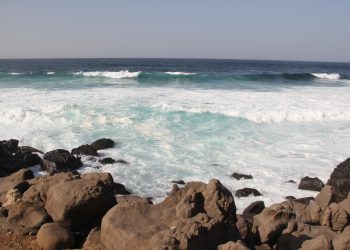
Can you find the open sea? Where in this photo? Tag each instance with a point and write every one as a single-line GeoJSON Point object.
{"type": "Point", "coordinates": [186, 119]}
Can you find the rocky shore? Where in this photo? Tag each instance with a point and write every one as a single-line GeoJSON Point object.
{"type": "Point", "coordinates": [68, 210]}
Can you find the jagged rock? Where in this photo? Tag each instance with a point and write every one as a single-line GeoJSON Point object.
{"type": "Point", "coordinates": [55, 236]}
{"type": "Point", "coordinates": [313, 184]}
{"type": "Point", "coordinates": [197, 216]}
{"type": "Point", "coordinates": [103, 143]}
{"type": "Point", "coordinates": [179, 182]}
{"type": "Point", "coordinates": [325, 197]}
{"type": "Point", "coordinates": [253, 209]}
{"type": "Point", "coordinates": [132, 200]}
{"type": "Point", "coordinates": [26, 217]}
{"type": "Point", "coordinates": [238, 176]}
{"type": "Point", "coordinates": [85, 150]}
{"type": "Point", "coordinates": [120, 189]}
{"type": "Point", "coordinates": [93, 241]}
{"type": "Point", "coordinates": [313, 231]}
{"type": "Point", "coordinates": [86, 199]}
{"type": "Point", "coordinates": [322, 242]}
{"type": "Point", "coordinates": [335, 217]}
{"type": "Point", "coordinates": [244, 192]}
{"type": "Point", "coordinates": [290, 198]}
{"type": "Point", "coordinates": [107, 160]}
{"type": "Point", "coordinates": [312, 214]}
{"type": "Point", "coordinates": [12, 196]}
{"type": "Point", "coordinates": [342, 241]}
{"type": "Point", "coordinates": [232, 246]}
{"type": "Point", "coordinates": [60, 160]}
{"type": "Point", "coordinates": [242, 227]}
{"type": "Point", "coordinates": [304, 200]}
{"type": "Point", "coordinates": [345, 204]}
{"type": "Point", "coordinates": [27, 154]}
{"type": "Point", "coordinates": [27, 149]}
{"type": "Point", "coordinates": [340, 180]}
{"type": "Point", "coordinates": [290, 242]}
{"type": "Point", "coordinates": [8, 148]}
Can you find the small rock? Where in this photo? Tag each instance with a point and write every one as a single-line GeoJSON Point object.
{"type": "Point", "coordinates": [313, 184]}
{"type": "Point", "coordinates": [179, 182]}
{"type": "Point", "coordinates": [55, 236]}
{"type": "Point", "coordinates": [121, 161]}
{"type": "Point", "coordinates": [290, 198]}
{"type": "Point", "coordinates": [120, 189]}
{"type": "Point", "coordinates": [60, 160]}
{"type": "Point", "coordinates": [291, 181]}
{"type": "Point", "coordinates": [85, 150]}
{"type": "Point", "coordinates": [107, 160]}
{"type": "Point", "coordinates": [238, 176]}
{"type": "Point", "coordinates": [103, 143]}
{"type": "Point", "coordinates": [244, 192]}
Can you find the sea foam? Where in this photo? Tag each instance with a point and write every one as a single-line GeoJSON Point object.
{"type": "Point", "coordinates": [180, 73]}
{"type": "Point", "coordinates": [327, 76]}
{"type": "Point", "coordinates": [110, 74]}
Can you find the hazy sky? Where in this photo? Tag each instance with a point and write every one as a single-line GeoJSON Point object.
{"type": "Point", "coordinates": [246, 29]}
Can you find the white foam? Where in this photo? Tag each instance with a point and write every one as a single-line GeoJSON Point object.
{"type": "Point", "coordinates": [326, 76]}
{"type": "Point", "coordinates": [180, 73]}
{"type": "Point", "coordinates": [110, 74]}
{"type": "Point", "coordinates": [50, 73]}
{"type": "Point", "coordinates": [15, 73]}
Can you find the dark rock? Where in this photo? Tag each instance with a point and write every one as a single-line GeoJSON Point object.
{"type": "Point", "coordinates": [4, 212]}
{"type": "Point", "coordinates": [8, 148]}
{"type": "Point", "coordinates": [28, 155]}
{"type": "Point", "coordinates": [11, 165]}
{"type": "Point", "coordinates": [290, 242]}
{"type": "Point", "coordinates": [60, 160]}
{"type": "Point", "coordinates": [304, 200]}
{"type": "Point", "coordinates": [55, 236]}
{"type": "Point", "coordinates": [179, 182]}
{"type": "Point", "coordinates": [244, 192]}
{"type": "Point", "coordinates": [340, 180]}
{"type": "Point", "coordinates": [253, 209]}
{"type": "Point", "coordinates": [120, 189]}
{"type": "Point", "coordinates": [103, 143]}
{"type": "Point", "coordinates": [22, 186]}
{"type": "Point", "coordinates": [107, 160]}
{"type": "Point", "coordinates": [313, 184]}
{"type": "Point", "coordinates": [121, 161]}
{"type": "Point", "coordinates": [85, 150]}
{"type": "Point", "coordinates": [27, 150]}
{"type": "Point", "coordinates": [238, 176]}
{"type": "Point", "coordinates": [290, 198]}
{"type": "Point", "coordinates": [291, 181]}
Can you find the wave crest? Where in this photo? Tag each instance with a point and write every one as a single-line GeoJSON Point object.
{"type": "Point", "coordinates": [178, 73]}
{"type": "Point", "coordinates": [110, 74]}
{"type": "Point", "coordinates": [327, 76]}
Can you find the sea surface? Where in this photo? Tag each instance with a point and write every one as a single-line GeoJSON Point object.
{"type": "Point", "coordinates": [184, 119]}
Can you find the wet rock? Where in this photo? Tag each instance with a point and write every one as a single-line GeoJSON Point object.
{"type": "Point", "coordinates": [321, 242]}
{"type": "Point", "coordinates": [28, 155]}
{"type": "Point", "coordinates": [121, 161]}
{"type": "Point", "coordinates": [60, 160]}
{"type": "Point", "coordinates": [93, 241]}
{"type": "Point", "coordinates": [313, 184]}
{"type": "Point", "coordinates": [340, 180]}
{"type": "Point", "coordinates": [253, 209]}
{"type": "Point", "coordinates": [197, 216]}
{"type": "Point", "coordinates": [244, 192]}
{"type": "Point", "coordinates": [107, 160]}
{"type": "Point", "coordinates": [179, 182]}
{"type": "Point", "coordinates": [85, 150]}
{"type": "Point", "coordinates": [8, 148]}
{"type": "Point", "coordinates": [103, 143]}
{"type": "Point", "coordinates": [55, 236]}
{"type": "Point", "coordinates": [238, 176]}
{"type": "Point", "coordinates": [26, 217]}
{"type": "Point", "coordinates": [120, 189]}
{"type": "Point", "coordinates": [291, 181]}
{"type": "Point", "coordinates": [233, 246]}
{"type": "Point", "coordinates": [27, 150]}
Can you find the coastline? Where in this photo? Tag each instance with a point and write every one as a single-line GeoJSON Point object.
{"type": "Point", "coordinates": [194, 215]}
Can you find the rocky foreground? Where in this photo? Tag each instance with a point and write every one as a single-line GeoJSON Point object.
{"type": "Point", "coordinates": [68, 210]}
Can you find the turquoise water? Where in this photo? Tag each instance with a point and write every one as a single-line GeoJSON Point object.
{"type": "Point", "coordinates": [186, 119]}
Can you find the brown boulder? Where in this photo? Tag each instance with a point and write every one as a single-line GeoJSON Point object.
{"type": "Point", "coordinates": [54, 236]}
{"type": "Point", "coordinates": [197, 216]}
{"type": "Point", "coordinates": [325, 197]}
{"type": "Point", "coordinates": [342, 241]}
{"type": "Point", "coordinates": [345, 204]}
{"type": "Point", "coordinates": [335, 217]}
{"type": "Point", "coordinates": [93, 241]}
{"type": "Point", "coordinates": [232, 246]}
{"type": "Point", "coordinates": [322, 242]}
{"type": "Point", "coordinates": [340, 180]}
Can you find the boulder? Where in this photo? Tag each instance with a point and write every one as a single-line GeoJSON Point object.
{"type": "Point", "coordinates": [120, 189]}
{"type": "Point", "coordinates": [290, 242]}
{"type": "Point", "coordinates": [325, 197]}
{"type": "Point", "coordinates": [335, 217]}
{"type": "Point", "coordinates": [340, 180]}
{"type": "Point", "coordinates": [253, 209]}
{"type": "Point", "coordinates": [55, 236]}
{"type": "Point", "coordinates": [86, 199]}
{"type": "Point", "coordinates": [103, 143]}
{"type": "Point", "coordinates": [345, 204]}
{"type": "Point", "coordinates": [244, 192]}
{"type": "Point", "coordinates": [312, 214]}
{"type": "Point", "coordinates": [132, 200]}
{"type": "Point", "coordinates": [60, 160]}
{"type": "Point", "coordinates": [232, 246]}
{"type": "Point", "coordinates": [121, 161]}
{"type": "Point", "coordinates": [197, 216]}
{"type": "Point", "coordinates": [11, 197]}
{"type": "Point", "coordinates": [28, 154]}
{"type": "Point", "coordinates": [313, 184]}
{"type": "Point", "coordinates": [342, 241]}
{"type": "Point", "coordinates": [107, 160]}
{"type": "Point", "coordinates": [85, 150]}
{"type": "Point", "coordinates": [322, 242]}
{"type": "Point", "coordinates": [179, 182]}
{"type": "Point", "coordinates": [26, 217]}
{"type": "Point", "coordinates": [8, 148]}
{"type": "Point", "coordinates": [238, 176]}
{"type": "Point", "coordinates": [93, 241]}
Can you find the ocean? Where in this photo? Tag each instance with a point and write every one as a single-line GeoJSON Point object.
{"type": "Point", "coordinates": [186, 119]}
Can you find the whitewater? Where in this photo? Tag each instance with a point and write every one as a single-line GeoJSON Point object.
{"type": "Point", "coordinates": [191, 123]}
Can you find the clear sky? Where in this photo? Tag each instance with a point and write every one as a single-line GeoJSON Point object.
{"type": "Point", "coordinates": [247, 29]}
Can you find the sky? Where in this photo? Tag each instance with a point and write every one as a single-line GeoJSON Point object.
{"type": "Point", "coordinates": [312, 30]}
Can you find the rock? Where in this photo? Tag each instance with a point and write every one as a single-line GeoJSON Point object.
{"type": "Point", "coordinates": [103, 143]}
{"type": "Point", "coordinates": [27, 150]}
{"type": "Point", "coordinates": [107, 160]}
{"type": "Point", "coordinates": [345, 204]}
{"type": "Point", "coordinates": [342, 241]}
{"type": "Point", "coordinates": [263, 247]}
{"type": "Point", "coordinates": [313, 184]}
{"type": "Point", "coordinates": [54, 236]}
{"type": "Point", "coordinates": [291, 181]}
{"type": "Point", "coordinates": [85, 150]}
{"type": "Point", "coordinates": [26, 217]}
{"type": "Point", "coordinates": [179, 182]}
{"type": "Point", "coordinates": [244, 192]}
{"type": "Point", "coordinates": [340, 180]}
{"type": "Point", "coordinates": [120, 189]}
{"type": "Point", "coordinates": [290, 242]}
{"type": "Point", "coordinates": [14, 181]}
{"type": "Point", "coordinates": [8, 148]}
{"type": "Point", "coordinates": [253, 209]}
{"type": "Point", "coordinates": [238, 176]}
{"type": "Point", "coordinates": [290, 198]}
{"type": "Point", "coordinates": [12, 196]}
{"type": "Point", "coordinates": [121, 161]}
{"type": "Point", "coordinates": [335, 217]}
{"type": "Point", "coordinates": [28, 155]}
{"type": "Point", "coordinates": [232, 246]}
{"type": "Point", "coordinates": [325, 197]}
{"type": "Point", "coordinates": [4, 212]}
{"type": "Point", "coordinates": [93, 241]}
{"type": "Point", "coordinates": [60, 160]}
{"type": "Point", "coordinates": [86, 199]}
{"type": "Point", "coordinates": [313, 231]}
{"type": "Point", "coordinates": [304, 200]}
{"type": "Point", "coordinates": [319, 243]}
{"type": "Point", "coordinates": [312, 214]}
{"type": "Point", "coordinates": [197, 216]}
{"type": "Point", "coordinates": [132, 200]}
